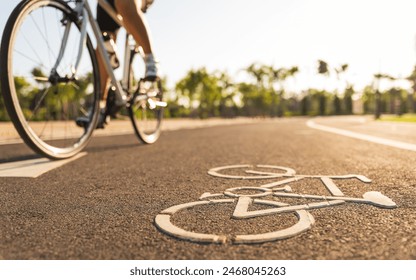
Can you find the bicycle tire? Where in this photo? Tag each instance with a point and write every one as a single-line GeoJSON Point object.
{"type": "Point", "coordinates": [163, 222]}
{"type": "Point", "coordinates": [146, 120]}
{"type": "Point", "coordinates": [217, 172]}
{"type": "Point", "coordinates": [45, 118]}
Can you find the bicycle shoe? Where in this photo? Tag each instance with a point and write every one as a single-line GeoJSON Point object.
{"type": "Point", "coordinates": [111, 108]}
{"type": "Point", "coordinates": [84, 121]}
{"type": "Point", "coordinates": [152, 71]}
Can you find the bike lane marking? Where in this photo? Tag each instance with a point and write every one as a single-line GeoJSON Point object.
{"type": "Point", "coordinates": [365, 137]}
{"type": "Point", "coordinates": [33, 168]}
{"type": "Point", "coordinates": [243, 203]}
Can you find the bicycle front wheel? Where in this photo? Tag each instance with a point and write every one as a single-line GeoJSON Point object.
{"type": "Point", "coordinates": [47, 82]}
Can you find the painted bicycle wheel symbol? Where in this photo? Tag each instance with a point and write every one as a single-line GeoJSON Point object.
{"type": "Point", "coordinates": [278, 189]}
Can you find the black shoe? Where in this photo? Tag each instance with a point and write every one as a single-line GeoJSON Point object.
{"type": "Point", "coordinates": [111, 108]}
{"type": "Point", "coordinates": [84, 121]}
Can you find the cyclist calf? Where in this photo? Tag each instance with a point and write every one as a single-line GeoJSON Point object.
{"type": "Point", "coordinates": [135, 24]}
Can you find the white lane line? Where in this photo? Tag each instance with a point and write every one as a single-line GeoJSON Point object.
{"type": "Point", "coordinates": [369, 138]}
{"type": "Point", "coordinates": [34, 167]}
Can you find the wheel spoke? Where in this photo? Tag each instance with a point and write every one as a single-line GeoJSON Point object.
{"type": "Point", "coordinates": [46, 31]}
{"type": "Point", "coordinates": [39, 103]}
{"type": "Point", "coordinates": [33, 50]}
{"type": "Point", "coordinates": [43, 36]}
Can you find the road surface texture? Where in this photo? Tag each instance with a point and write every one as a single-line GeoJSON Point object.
{"type": "Point", "coordinates": [103, 205]}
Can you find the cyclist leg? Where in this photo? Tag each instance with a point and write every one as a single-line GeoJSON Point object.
{"type": "Point", "coordinates": [136, 24]}
{"type": "Point", "coordinates": [109, 26]}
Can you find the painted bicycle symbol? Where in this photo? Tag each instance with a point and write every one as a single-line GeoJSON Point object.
{"type": "Point", "coordinates": [257, 195]}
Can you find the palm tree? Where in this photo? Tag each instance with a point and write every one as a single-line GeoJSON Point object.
{"type": "Point", "coordinates": [325, 70]}
{"type": "Point", "coordinates": [342, 69]}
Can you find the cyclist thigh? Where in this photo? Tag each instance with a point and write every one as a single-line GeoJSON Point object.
{"type": "Point", "coordinates": [129, 5]}
{"type": "Point", "coordinates": [105, 22]}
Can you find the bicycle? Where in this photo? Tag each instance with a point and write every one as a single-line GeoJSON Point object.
{"type": "Point", "coordinates": [50, 77]}
{"type": "Point", "coordinates": [278, 189]}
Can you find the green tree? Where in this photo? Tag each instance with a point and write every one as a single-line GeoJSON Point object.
{"type": "Point", "coordinates": [337, 108]}
{"type": "Point", "coordinates": [259, 97]}
{"type": "Point", "coordinates": [256, 101]}
{"type": "Point", "coordinates": [317, 102]}
{"type": "Point", "coordinates": [259, 72]}
{"type": "Point", "coordinates": [280, 76]}
{"type": "Point", "coordinates": [305, 105]}
{"type": "Point", "coordinates": [202, 90]}
{"type": "Point", "coordinates": [228, 89]}
{"type": "Point", "coordinates": [325, 70]}
{"type": "Point", "coordinates": [378, 95]}
{"type": "Point", "coordinates": [368, 99]}
{"type": "Point", "coordinates": [349, 91]}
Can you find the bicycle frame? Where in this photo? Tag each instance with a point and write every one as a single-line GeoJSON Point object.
{"type": "Point", "coordinates": [84, 12]}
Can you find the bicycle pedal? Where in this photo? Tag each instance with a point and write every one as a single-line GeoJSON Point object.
{"type": "Point", "coordinates": [161, 104]}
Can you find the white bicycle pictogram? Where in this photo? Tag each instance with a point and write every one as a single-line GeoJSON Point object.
{"type": "Point", "coordinates": [277, 189]}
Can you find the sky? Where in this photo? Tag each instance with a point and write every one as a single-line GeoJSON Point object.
{"type": "Point", "coordinates": [371, 36]}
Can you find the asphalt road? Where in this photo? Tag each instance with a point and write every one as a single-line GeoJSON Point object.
{"type": "Point", "coordinates": [103, 205]}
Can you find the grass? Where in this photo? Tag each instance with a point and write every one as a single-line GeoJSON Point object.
{"type": "Point", "coordinates": [402, 118]}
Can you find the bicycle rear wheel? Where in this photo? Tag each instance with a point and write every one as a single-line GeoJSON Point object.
{"type": "Point", "coordinates": [43, 94]}
{"type": "Point", "coordinates": [144, 109]}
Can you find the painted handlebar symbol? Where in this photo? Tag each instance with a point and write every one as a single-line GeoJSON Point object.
{"type": "Point", "coordinates": [279, 189]}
